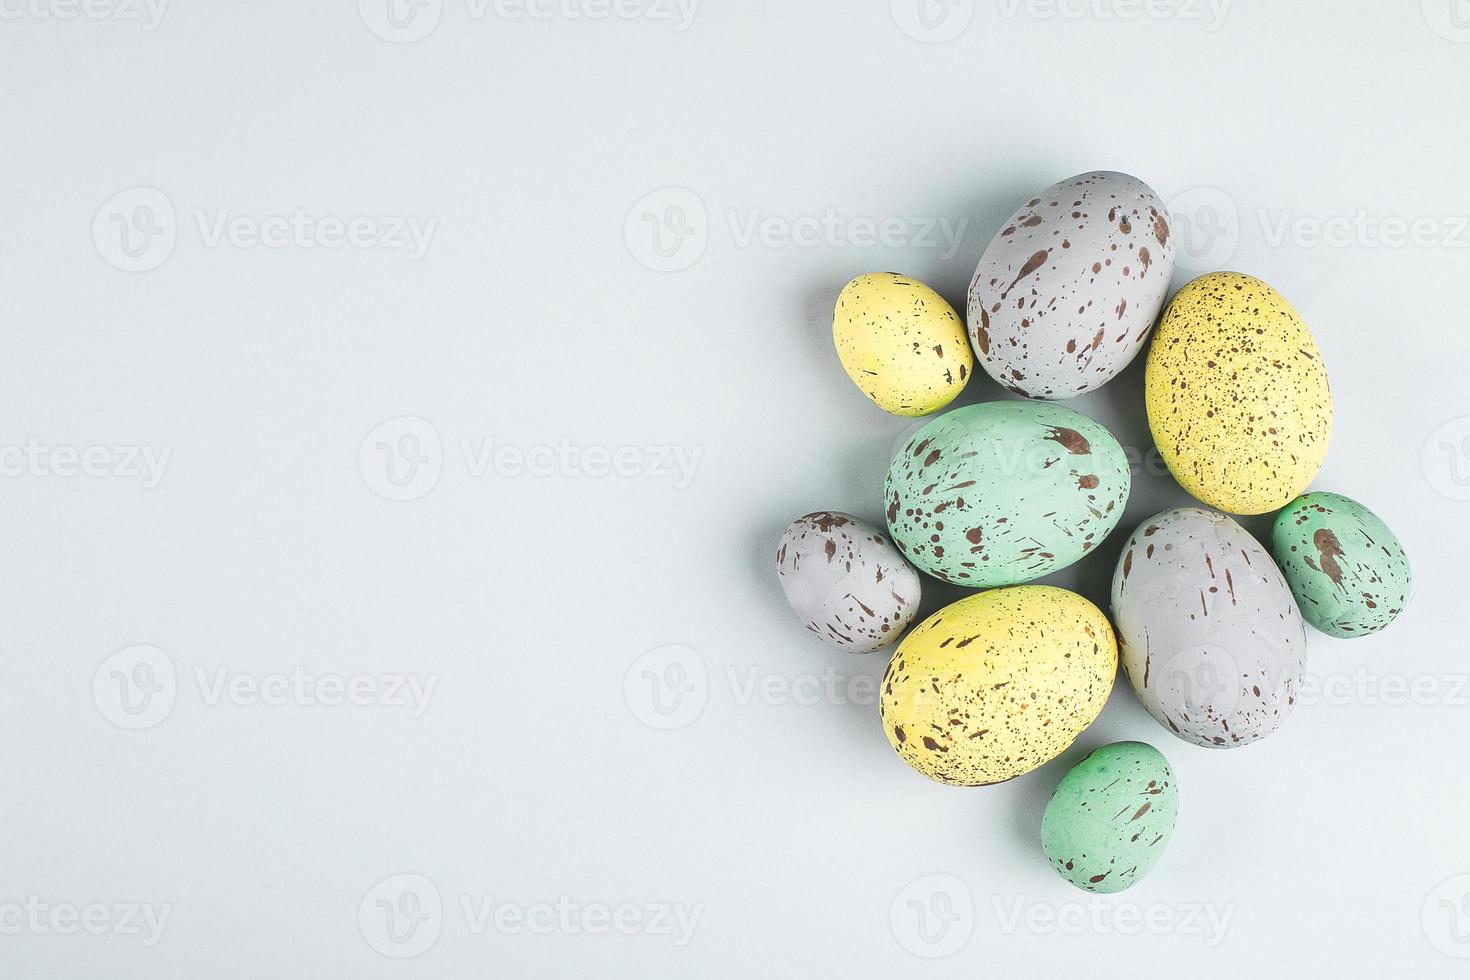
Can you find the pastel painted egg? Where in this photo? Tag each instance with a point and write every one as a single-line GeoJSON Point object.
{"type": "Point", "coordinates": [845, 580]}
{"type": "Point", "coordinates": [901, 344]}
{"type": "Point", "coordinates": [1111, 817]}
{"type": "Point", "coordinates": [1346, 568]}
{"type": "Point", "coordinates": [997, 684]}
{"type": "Point", "coordinates": [1237, 395]}
{"type": "Point", "coordinates": [1005, 492]}
{"type": "Point", "coordinates": [1208, 631]}
{"type": "Point", "coordinates": [1067, 292]}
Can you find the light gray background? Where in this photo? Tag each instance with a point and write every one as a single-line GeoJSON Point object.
{"type": "Point", "coordinates": [546, 151]}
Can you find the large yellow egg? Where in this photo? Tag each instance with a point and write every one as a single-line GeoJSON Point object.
{"type": "Point", "coordinates": [901, 344]}
{"type": "Point", "coordinates": [1237, 395]}
{"type": "Point", "coordinates": [995, 685]}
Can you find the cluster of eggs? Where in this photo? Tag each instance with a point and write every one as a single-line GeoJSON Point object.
{"type": "Point", "coordinates": [1208, 624]}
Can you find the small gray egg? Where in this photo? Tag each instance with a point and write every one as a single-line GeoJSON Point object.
{"type": "Point", "coordinates": [1208, 631]}
{"type": "Point", "coordinates": [1066, 294]}
{"type": "Point", "coordinates": [846, 581]}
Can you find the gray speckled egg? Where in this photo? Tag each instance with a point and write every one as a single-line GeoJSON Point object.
{"type": "Point", "coordinates": [1067, 292]}
{"type": "Point", "coordinates": [1208, 631]}
{"type": "Point", "coordinates": [1005, 492]}
{"type": "Point", "coordinates": [846, 581]}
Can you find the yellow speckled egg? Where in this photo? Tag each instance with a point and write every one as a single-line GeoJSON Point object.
{"type": "Point", "coordinates": [998, 684]}
{"type": "Point", "coordinates": [1237, 395]}
{"type": "Point", "coordinates": [901, 343]}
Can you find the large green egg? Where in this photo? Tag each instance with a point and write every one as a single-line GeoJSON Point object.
{"type": "Point", "coordinates": [1005, 492]}
{"type": "Point", "coordinates": [1111, 817]}
{"type": "Point", "coordinates": [1347, 570]}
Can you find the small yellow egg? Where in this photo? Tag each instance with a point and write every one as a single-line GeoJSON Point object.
{"type": "Point", "coordinates": [1237, 395]}
{"type": "Point", "coordinates": [901, 344]}
{"type": "Point", "coordinates": [998, 684]}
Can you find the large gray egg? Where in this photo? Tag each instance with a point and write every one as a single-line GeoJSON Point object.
{"type": "Point", "coordinates": [1067, 292]}
{"type": "Point", "coordinates": [1208, 631]}
{"type": "Point", "coordinates": [846, 581]}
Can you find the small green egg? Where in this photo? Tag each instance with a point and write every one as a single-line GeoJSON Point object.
{"type": "Point", "coordinates": [1111, 817]}
{"type": "Point", "coordinates": [1347, 570]}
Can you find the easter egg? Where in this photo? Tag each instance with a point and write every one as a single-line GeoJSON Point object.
{"type": "Point", "coordinates": [1345, 566]}
{"type": "Point", "coordinates": [1005, 492]}
{"type": "Point", "coordinates": [997, 684]}
{"type": "Point", "coordinates": [1237, 395]}
{"type": "Point", "coordinates": [846, 582]}
{"type": "Point", "coordinates": [1065, 295]}
{"type": "Point", "coordinates": [1208, 631]}
{"type": "Point", "coordinates": [901, 344]}
{"type": "Point", "coordinates": [1111, 817]}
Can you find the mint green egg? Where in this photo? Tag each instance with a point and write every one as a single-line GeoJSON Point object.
{"type": "Point", "coordinates": [1347, 570]}
{"type": "Point", "coordinates": [1111, 817]}
{"type": "Point", "coordinates": [1005, 492]}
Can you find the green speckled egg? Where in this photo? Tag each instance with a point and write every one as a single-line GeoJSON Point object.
{"type": "Point", "coordinates": [1111, 817]}
{"type": "Point", "coordinates": [1005, 492]}
{"type": "Point", "coordinates": [1347, 570]}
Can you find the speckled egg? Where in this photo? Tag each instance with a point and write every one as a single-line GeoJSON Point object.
{"type": "Point", "coordinates": [1066, 294]}
{"type": "Point", "coordinates": [901, 344]}
{"type": "Point", "coordinates": [1208, 632]}
{"type": "Point", "coordinates": [845, 580]}
{"type": "Point", "coordinates": [997, 684]}
{"type": "Point", "coordinates": [1111, 817]}
{"type": "Point", "coordinates": [1237, 395]}
{"type": "Point", "coordinates": [1005, 492]}
{"type": "Point", "coordinates": [1346, 568]}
